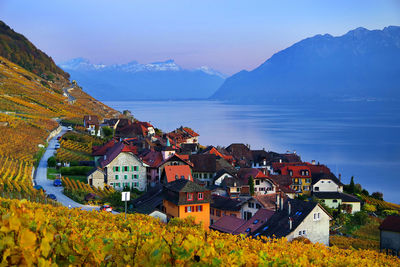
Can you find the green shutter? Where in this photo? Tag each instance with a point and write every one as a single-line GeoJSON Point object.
{"type": "Point", "coordinates": [114, 168]}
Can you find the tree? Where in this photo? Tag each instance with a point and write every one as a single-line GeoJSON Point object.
{"type": "Point", "coordinates": [251, 185]}
{"type": "Point", "coordinates": [352, 185]}
{"type": "Point", "coordinates": [377, 195]}
{"type": "Point", "coordinates": [52, 162]}
{"type": "Point", "coordinates": [108, 132]}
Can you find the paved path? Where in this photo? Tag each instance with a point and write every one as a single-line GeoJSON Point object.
{"type": "Point", "coordinates": [41, 178]}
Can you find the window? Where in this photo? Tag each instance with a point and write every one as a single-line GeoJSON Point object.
{"type": "Point", "coordinates": [125, 176]}
{"type": "Point", "coordinates": [329, 182]}
{"type": "Point", "coordinates": [317, 216]}
{"type": "Point", "coordinates": [118, 184]}
{"type": "Point", "coordinates": [237, 189]}
{"type": "Point", "coordinates": [218, 213]}
{"type": "Point", "coordinates": [291, 173]}
{"type": "Point", "coordinates": [250, 205]}
{"type": "Point", "coordinates": [322, 182]}
{"type": "Point", "coordinates": [189, 196]}
{"type": "Point", "coordinates": [199, 208]}
{"type": "Point", "coordinates": [111, 184]}
{"type": "Point", "coordinates": [116, 168]}
{"type": "Point", "coordinates": [247, 230]}
{"type": "Point", "coordinates": [334, 201]}
{"type": "Point", "coordinates": [135, 168]}
{"type": "Point", "coordinates": [182, 177]}
{"type": "Point", "coordinates": [188, 209]}
{"type": "Point", "coordinates": [304, 232]}
{"type": "Point", "coordinates": [257, 182]}
{"type": "Point", "coordinates": [256, 221]}
{"type": "Point", "coordinates": [134, 176]}
{"type": "Point", "coordinates": [116, 177]}
{"type": "Point", "coordinates": [126, 169]}
{"type": "Point", "coordinates": [316, 188]}
{"type": "Point", "coordinates": [200, 196]}
{"type": "Point", "coordinates": [262, 189]}
{"type": "Point", "coordinates": [299, 232]}
{"type": "Point", "coordinates": [258, 206]}
{"type": "Point", "coordinates": [195, 175]}
{"type": "Point", "coordinates": [136, 184]}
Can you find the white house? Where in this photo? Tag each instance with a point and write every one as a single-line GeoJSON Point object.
{"type": "Point", "coordinates": [348, 203]}
{"type": "Point", "coordinates": [120, 168]}
{"type": "Point", "coordinates": [297, 218]}
{"type": "Point", "coordinates": [322, 182]}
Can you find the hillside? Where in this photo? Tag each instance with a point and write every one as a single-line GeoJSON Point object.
{"type": "Point", "coordinates": [362, 64]}
{"type": "Point", "coordinates": [37, 234]}
{"type": "Point", "coordinates": [135, 81]}
{"type": "Point", "coordinates": [19, 50]}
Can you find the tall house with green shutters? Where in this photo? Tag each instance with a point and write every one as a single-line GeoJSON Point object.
{"type": "Point", "coordinates": [120, 168]}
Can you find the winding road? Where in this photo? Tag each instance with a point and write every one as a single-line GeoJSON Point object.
{"type": "Point", "coordinates": [41, 178]}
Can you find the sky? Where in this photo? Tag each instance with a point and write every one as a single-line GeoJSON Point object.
{"type": "Point", "coordinates": [228, 36]}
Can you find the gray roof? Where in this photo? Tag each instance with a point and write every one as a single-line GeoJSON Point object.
{"type": "Point", "coordinates": [319, 176]}
{"type": "Point", "coordinates": [150, 201]}
{"type": "Point", "coordinates": [336, 195]}
{"type": "Point", "coordinates": [183, 185]}
{"type": "Point", "coordinates": [278, 224]}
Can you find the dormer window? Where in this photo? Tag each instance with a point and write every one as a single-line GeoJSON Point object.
{"type": "Point", "coordinates": [189, 196]}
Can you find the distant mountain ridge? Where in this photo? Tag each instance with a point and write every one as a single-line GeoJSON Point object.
{"type": "Point", "coordinates": [363, 64]}
{"type": "Point", "coordinates": [19, 50]}
{"type": "Point", "coordinates": [132, 81]}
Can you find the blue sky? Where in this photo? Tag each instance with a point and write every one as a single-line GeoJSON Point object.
{"type": "Point", "coordinates": [226, 35]}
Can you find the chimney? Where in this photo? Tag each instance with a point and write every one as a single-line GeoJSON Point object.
{"type": "Point", "coordinates": [313, 162]}
{"type": "Point", "coordinates": [280, 160]}
{"type": "Point", "coordinates": [289, 208]}
{"type": "Point", "coordinates": [340, 177]}
{"type": "Point", "coordinates": [264, 162]}
{"type": "Point", "coordinates": [277, 202]}
{"type": "Point", "coordinates": [290, 223]}
{"type": "Point", "coordinates": [294, 152]}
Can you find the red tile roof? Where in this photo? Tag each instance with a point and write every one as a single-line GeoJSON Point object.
{"type": "Point", "coordinates": [153, 158]}
{"type": "Point", "coordinates": [296, 171]}
{"type": "Point", "coordinates": [227, 224]}
{"type": "Point", "coordinates": [391, 223]}
{"type": "Point", "coordinates": [176, 172]}
{"type": "Point", "coordinates": [245, 173]}
{"type": "Point", "coordinates": [190, 132]}
{"type": "Point", "coordinates": [102, 150]}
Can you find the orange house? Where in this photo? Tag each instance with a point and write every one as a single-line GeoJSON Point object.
{"type": "Point", "coordinates": [184, 198]}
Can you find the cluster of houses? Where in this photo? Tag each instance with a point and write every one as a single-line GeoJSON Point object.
{"type": "Point", "coordinates": [233, 190]}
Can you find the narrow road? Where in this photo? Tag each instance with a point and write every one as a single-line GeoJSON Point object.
{"type": "Point", "coordinates": [41, 178]}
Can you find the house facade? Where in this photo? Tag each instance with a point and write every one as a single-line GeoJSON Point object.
{"type": "Point", "coordinates": [297, 218]}
{"type": "Point", "coordinates": [120, 168]}
{"type": "Point", "coordinates": [348, 203]}
{"type": "Point", "coordinates": [184, 198]}
{"type": "Point", "coordinates": [390, 235]}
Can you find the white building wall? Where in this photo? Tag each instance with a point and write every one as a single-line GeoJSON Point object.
{"type": "Point", "coordinates": [317, 231]}
{"type": "Point", "coordinates": [127, 159]}
{"type": "Point", "coordinates": [246, 208]}
{"type": "Point", "coordinates": [264, 184]}
{"type": "Point", "coordinates": [326, 185]}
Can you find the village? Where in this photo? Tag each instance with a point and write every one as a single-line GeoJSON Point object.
{"type": "Point", "coordinates": [233, 189]}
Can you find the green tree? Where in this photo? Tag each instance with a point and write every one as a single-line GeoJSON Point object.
{"type": "Point", "coordinates": [108, 132]}
{"type": "Point", "coordinates": [251, 185]}
{"type": "Point", "coordinates": [52, 162]}
{"type": "Point", "coordinates": [352, 185]}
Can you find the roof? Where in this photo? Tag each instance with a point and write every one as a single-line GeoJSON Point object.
{"type": "Point", "coordinates": [222, 163]}
{"type": "Point", "coordinates": [297, 171]}
{"type": "Point", "coordinates": [391, 223]}
{"type": "Point", "coordinates": [284, 182]}
{"type": "Point", "coordinates": [91, 119]}
{"type": "Point", "coordinates": [113, 152]}
{"type": "Point", "coordinates": [225, 203]}
{"type": "Point", "coordinates": [336, 195]}
{"type": "Point", "coordinates": [268, 201]}
{"type": "Point", "coordinates": [183, 185]}
{"type": "Point", "coordinates": [278, 224]}
{"type": "Point", "coordinates": [204, 162]}
{"type": "Point", "coordinates": [102, 150]}
{"type": "Point", "coordinates": [255, 222]}
{"type": "Point", "coordinates": [94, 170]}
{"type": "Point", "coordinates": [152, 158]}
{"type": "Point", "coordinates": [245, 173]}
{"type": "Point", "coordinates": [175, 156]}
{"type": "Point", "coordinates": [149, 201]}
{"type": "Point", "coordinates": [190, 132]}
{"type": "Point", "coordinates": [241, 153]}
{"type": "Point", "coordinates": [319, 176]}
{"type": "Point", "coordinates": [292, 157]}
{"type": "Point", "coordinates": [227, 224]}
{"type": "Point", "coordinates": [175, 172]}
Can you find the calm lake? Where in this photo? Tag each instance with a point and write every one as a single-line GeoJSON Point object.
{"type": "Point", "coordinates": [360, 139]}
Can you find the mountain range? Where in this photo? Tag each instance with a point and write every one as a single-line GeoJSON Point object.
{"type": "Point", "coordinates": [152, 81]}
{"type": "Point", "coordinates": [361, 64]}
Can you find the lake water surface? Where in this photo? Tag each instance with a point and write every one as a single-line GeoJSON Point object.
{"type": "Point", "coordinates": [360, 139]}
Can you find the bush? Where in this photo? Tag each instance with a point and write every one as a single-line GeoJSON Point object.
{"type": "Point", "coordinates": [52, 162]}
{"type": "Point", "coordinates": [359, 218]}
{"type": "Point", "coordinates": [75, 170]}
{"type": "Point", "coordinates": [369, 208]}
{"type": "Point", "coordinates": [390, 212]}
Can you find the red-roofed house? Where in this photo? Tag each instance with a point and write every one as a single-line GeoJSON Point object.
{"type": "Point", "coordinates": [262, 183]}
{"type": "Point", "coordinates": [121, 168]}
{"type": "Point", "coordinates": [301, 177]}
{"type": "Point", "coordinates": [91, 123]}
{"type": "Point", "coordinates": [175, 172]}
{"type": "Point", "coordinates": [390, 235]}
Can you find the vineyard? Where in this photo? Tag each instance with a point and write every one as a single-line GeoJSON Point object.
{"type": "Point", "coordinates": [38, 234]}
{"type": "Point", "coordinates": [16, 181]}
{"type": "Point", "coordinates": [75, 185]}
{"type": "Point", "coordinates": [380, 203]}
{"type": "Point", "coordinates": [76, 146]}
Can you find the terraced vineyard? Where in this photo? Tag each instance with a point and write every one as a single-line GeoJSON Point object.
{"type": "Point", "coordinates": [380, 203]}
{"type": "Point", "coordinates": [75, 185]}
